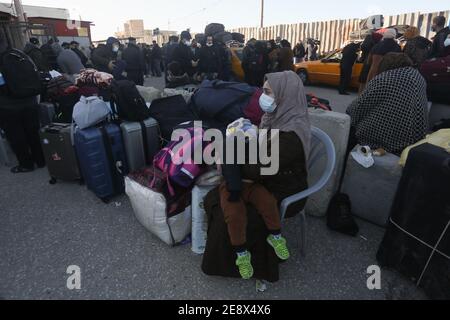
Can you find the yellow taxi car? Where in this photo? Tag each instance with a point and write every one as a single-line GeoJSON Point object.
{"type": "Point", "coordinates": [327, 71]}
{"type": "Point", "coordinates": [236, 60]}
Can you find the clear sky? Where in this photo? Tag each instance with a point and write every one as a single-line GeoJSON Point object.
{"type": "Point", "coordinates": [109, 15]}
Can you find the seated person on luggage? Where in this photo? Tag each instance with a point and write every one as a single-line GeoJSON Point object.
{"type": "Point", "coordinates": [392, 112]}
{"type": "Point", "coordinates": [285, 107]}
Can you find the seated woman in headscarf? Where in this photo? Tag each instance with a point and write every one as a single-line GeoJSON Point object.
{"type": "Point", "coordinates": [285, 106]}
{"type": "Point", "coordinates": [392, 112]}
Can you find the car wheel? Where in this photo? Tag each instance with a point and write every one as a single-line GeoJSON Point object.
{"type": "Point", "coordinates": [303, 74]}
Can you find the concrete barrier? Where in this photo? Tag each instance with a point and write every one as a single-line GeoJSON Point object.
{"type": "Point", "coordinates": [372, 191]}
{"type": "Point", "coordinates": [337, 126]}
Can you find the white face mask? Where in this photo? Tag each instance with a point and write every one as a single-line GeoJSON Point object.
{"type": "Point", "coordinates": [115, 49]}
{"type": "Point", "coordinates": [267, 103]}
{"type": "Point", "coordinates": [447, 42]}
{"type": "Point", "coordinates": [187, 42]}
{"type": "Point", "coordinates": [209, 44]}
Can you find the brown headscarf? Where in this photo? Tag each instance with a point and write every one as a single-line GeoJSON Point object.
{"type": "Point", "coordinates": [291, 114]}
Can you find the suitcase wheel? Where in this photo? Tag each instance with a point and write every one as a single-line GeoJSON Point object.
{"type": "Point", "coordinates": [52, 181]}
{"type": "Point", "coordinates": [105, 200]}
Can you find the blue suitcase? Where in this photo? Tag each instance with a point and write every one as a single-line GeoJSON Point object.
{"type": "Point", "coordinates": [102, 160]}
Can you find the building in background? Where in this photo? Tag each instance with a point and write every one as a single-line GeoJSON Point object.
{"type": "Point", "coordinates": [136, 29]}
{"type": "Point", "coordinates": [45, 23]}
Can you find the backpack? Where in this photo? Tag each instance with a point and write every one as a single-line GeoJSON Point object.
{"type": "Point", "coordinates": [170, 112]}
{"type": "Point", "coordinates": [129, 104]}
{"type": "Point", "coordinates": [21, 74]}
{"type": "Point", "coordinates": [180, 168]}
{"type": "Point", "coordinates": [90, 111]}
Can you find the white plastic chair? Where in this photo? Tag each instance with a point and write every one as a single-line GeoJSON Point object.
{"type": "Point", "coordinates": [321, 145]}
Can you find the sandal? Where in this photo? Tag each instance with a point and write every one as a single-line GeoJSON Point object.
{"type": "Point", "coordinates": [20, 169]}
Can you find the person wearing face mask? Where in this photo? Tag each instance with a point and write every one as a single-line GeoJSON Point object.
{"type": "Point", "coordinates": [285, 106]}
{"type": "Point", "coordinates": [209, 60]}
{"type": "Point", "coordinates": [442, 32]}
{"type": "Point", "coordinates": [104, 57]}
{"type": "Point", "coordinates": [184, 56]}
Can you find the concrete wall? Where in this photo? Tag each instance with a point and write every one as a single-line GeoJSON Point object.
{"type": "Point", "coordinates": [334, 33]}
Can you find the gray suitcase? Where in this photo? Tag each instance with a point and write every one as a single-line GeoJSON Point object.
{"type": "Point", "coordinates": [141, 145]}
{"type": "Point", "coordinates": [7, 157]}
{"type": "Point", "coordinates": [59, 152]}
{"type": "Point", "coordinates": [46, 113]}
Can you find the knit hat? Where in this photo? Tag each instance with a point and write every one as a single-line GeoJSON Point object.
{"type": "Point", "coordinates": [111, 41]}
{"type": "Point", "coordinates": [186, 35]}
{"type": "Point", "coordinates": [390, 34]}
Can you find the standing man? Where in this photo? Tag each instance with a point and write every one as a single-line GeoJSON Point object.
{"type": "Point", "coordinates": [209, 60]}
{"type": "Point", "coordinates": [156, 59]}
{"type": "Point", "coordinates": [442, 32]}
{"type": "Point", "coordinates": [49, 53]}
{"type": "Point", "coordinates": [184, 56]}
{"type": "Point", "coordinates": [75, 46]}
{"type": "Point", "coordinates": [349, 56]}
{"type": "Point", "coordinates": [104, 56]}
{"type": "Point", "coordinates": [134, 58]}
{"type": "Point", "coordinates": [299, 52]}
{"type": "Point", "coordinates": [19, 118]}
{"type": "Point", "coordinates": [33, 50]}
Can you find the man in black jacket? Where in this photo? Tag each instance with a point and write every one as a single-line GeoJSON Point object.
{"type": "Point", "coordinates": [349, 56]}
{"type": "Point", "coordinates": [49, 53]}
{"type": "Point", "coordinates": [209, 60]}
{"type": "Point", "coordinates": [183, 54]}
{"type": "Point", "coordinates": [75, 48]}
{"type": "Point", "coordinates": [19, 118]}
{"type": "Point", "coordinates": [35, 53]}
{"type": "Point", "coordinates": [104, 56]}
{"type": "Point", "coordinates": [134, 58]}
{"type": "Point", "coordinates": [442, 32]}
{"type": "Point", "coordinates": [156, 59]}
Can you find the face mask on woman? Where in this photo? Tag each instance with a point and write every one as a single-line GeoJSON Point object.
{"type": "Point", "coordinates": [267, 103]}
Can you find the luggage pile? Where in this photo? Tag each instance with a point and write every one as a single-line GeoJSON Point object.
{"type": "Point", "coordinates": [118, 140]}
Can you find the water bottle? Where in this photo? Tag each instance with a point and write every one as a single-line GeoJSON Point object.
{"type": "Point", "coordinates": [2, 80]}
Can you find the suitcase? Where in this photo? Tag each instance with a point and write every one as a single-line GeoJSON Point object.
{"type": "Point", "coordinates": [59, 152]}
{"type": "Point", "coordinates": [102, 160]}
{"type": "Point", "coordinates": [46, 113]}
{"type": "Point", "coordinates": [7, 157]}
{"type": "Point", "coordinates": [417, 241]}
{"type": "Point", "coordinates": [141, 141]}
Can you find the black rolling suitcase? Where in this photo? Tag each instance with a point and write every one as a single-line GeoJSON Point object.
{"type": "Point", "coordinates": [417, 241]}
{"type": "Point", "coordinates": [59, 153]}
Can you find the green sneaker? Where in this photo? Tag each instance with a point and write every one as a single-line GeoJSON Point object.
{"type": "Point", "coordinates": [279, 245]}
{"type": "Point", "coordinates": [244, 264]}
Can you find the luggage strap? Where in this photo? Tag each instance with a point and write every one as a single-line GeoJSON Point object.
{"type": "Point", "coordinates": [110, 156]}
{"type": "Point", "coordinates": [145, 140]}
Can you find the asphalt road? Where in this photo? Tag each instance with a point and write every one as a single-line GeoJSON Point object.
{"type": "Point", "coordinates": [46, 228]}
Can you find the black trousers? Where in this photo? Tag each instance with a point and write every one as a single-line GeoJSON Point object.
{"type": "Point", "coordinates": [346, 77]}
{"type": "Point", "coordinates": [22, 131]}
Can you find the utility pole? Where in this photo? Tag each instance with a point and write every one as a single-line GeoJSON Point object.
{"type": "Point", "coordinates": [262, 13]}
{"type": "Point", "coordinates": [22, 29]}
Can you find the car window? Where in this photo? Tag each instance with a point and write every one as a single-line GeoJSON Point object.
{"type": "Point", "coordinates": [336, 57]}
